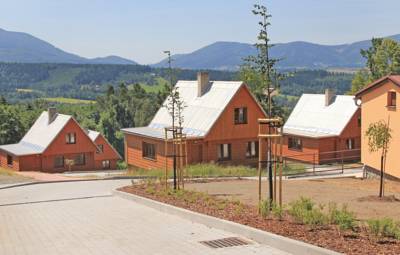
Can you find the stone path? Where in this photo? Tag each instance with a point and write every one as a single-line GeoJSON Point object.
{"type": "Point", "coordinates": [83, 218]}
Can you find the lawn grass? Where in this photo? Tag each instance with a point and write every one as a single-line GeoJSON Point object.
{"type": "Point", "coordinates": [7, 172]}
{"type": "Point", "coordinates": [159, 86]}
{"type": "Point", "coordinates": [68, 100]}
{"type": "Point", "coordinates": [214, 170]}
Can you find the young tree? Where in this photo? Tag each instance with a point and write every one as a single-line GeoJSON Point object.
{"type": "Point", "coordinates": [262, 69]}
{"type": "Point", "coordinates": [379, 136]}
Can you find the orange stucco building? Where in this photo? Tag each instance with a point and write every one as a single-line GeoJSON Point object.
{"type": "Point", "coordinates": [378, 102]}
{"type": "Point", "coordinates": [57, 143]}
{"type": "Point", "coordinates": [220, 121]}
{"type": "Point", "coordinates": [323, 128]}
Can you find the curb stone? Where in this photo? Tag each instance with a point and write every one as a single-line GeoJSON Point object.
{"type": "Point", "coordinates": [276, 241]}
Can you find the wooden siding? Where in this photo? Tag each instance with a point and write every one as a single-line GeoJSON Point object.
{"type": "Point", "coordinates": [205, 150]}
{"type": "Point", "coordinates": [59, 147]}
{"type": "Point", "coordinates": [108, 154]}
{"type": "Point", "coordinates": [320, 150]}
{"type": "Point", "coordinates": [225, 128]}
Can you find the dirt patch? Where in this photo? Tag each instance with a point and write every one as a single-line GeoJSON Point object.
{"type": "Point", "coordinates": [389, 199]}
{"type": "Point", "coordinates": [327, 236]}
{"type": "Point", "coordinates": [342, 191]}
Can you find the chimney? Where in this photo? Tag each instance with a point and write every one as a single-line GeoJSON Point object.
{"type": "Point", "coordinates": [52, 111]}
{"type": "Point", "coordinates": [329, 96]}
{"type": "Point", "coordinates": [202, 83]}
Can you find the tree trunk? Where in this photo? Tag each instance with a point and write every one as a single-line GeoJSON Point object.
{"type": "Point", "coordinates": [381, 183]}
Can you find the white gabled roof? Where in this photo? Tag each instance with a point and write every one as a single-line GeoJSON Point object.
{"type": "Point", "coordinates": [42, 133]}
{"type": "Point", "coordinates": [39, 136]}
{"type": "Point", "coordinates": [311, 118]}
{"type": "Point", "coordinates": [93, 135]}
{"type": "Point", "coordinates": [200, 113]}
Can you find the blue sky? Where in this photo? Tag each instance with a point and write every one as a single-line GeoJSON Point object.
{"type": "Point", "coordinates": [141, 30]}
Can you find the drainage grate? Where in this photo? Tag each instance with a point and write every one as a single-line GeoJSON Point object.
{"type": "Point", "coordinates": [225, 242]}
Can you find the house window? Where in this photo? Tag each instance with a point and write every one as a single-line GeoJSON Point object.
{"type": "Point", "coordinates": [79, 159]}
{"type": "Point", "coordinates": [252, 149]}
{"type": "Point", "coordinates": [350, 143]}
{"type": "Point", "coordinates": [224, 151]}
{"type": "Point", "coordinates": [149, 150]}
{"type": "Point", "coordinates": [9, 160]}
{"type": "Point", "coordinates": [106, 164]}
{"type": "Point", "coordinates": [100, 149]}
{"type": "Point", "coordinates": [295, 143]}
{"type": "Point", "coordinates": [391, 99]}
{"type": "Point", "coordinates": [241, 115]}
{"type": "Point", "coordinates": [59, 161]}
{"type": "Point", "coordinates": [70, 138]}
{"type": "Point", "coordinates": [359, 121]}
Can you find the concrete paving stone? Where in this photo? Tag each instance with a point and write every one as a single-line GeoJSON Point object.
{"type": "Point", "coordinates": [99, 225]}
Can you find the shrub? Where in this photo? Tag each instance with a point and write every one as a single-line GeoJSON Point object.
{"type": "Point", "coordinates": [264, 207]}
{"type": "Point", "coordinates": [121, 165]}
{"type": "Point", "coordinates": [299, 209]}
{"type": "Point", "coordinates": [304, 211]}
{"type": "Point", "coordinates": [151, 190]}
{"type": "Point", "coordinates": [277, 211]}
{"type": "Point", "coordinates": [344, 218]}
{"type": "Point", "coordinates": [315, 217]}
{"type": "Point", "coordinates": [385, 227]}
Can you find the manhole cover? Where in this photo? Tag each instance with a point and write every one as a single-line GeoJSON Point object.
{"type": "Point", "coordinates": [225, 242]}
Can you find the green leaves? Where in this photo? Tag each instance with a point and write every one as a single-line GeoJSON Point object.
{"type": "Point", "coordinates": [379, 136]}
{"type": "Point", "coordinates": [383, 58]}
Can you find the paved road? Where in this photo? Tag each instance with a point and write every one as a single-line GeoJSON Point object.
{"type": "Point", "coordinates": [83, 218]}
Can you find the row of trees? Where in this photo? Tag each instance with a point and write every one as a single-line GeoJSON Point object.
{"type": "Point", "coordinates": [116, 109]}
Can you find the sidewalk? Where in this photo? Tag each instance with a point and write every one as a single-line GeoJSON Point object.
{"type": "Point", "coordinates": [47, 177]}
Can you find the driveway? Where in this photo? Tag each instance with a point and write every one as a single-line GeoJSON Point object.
{"type": "Point", "coordinates": [84, 218]}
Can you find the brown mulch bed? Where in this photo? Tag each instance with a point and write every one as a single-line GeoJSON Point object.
{"type": "Point", "coordinates": [358, 242]}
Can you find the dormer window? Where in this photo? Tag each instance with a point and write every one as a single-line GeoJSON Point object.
{"type": "Point", "coordinates": [391, 99]}
{"type": "Point", "coordinates": [70, 138]}
{"type": "Point", "coordinates": [241, 115]}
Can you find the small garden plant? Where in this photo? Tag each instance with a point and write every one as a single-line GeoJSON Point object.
{"type": "Point", "coordinates": [301, 219]}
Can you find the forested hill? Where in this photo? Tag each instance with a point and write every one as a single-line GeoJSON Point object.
{"type": "Point", "coordinates": [29, 81]}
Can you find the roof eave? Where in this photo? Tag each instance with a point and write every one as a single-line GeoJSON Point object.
{"type": "Point", "coordinates": [374, 84]}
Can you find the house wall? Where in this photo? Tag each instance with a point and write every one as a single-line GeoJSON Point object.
{"type": "Point", "coordinates": [3, 162]}
{"type": "Point", "coordinates": [374, 109]}
{"type": "Point", "coordinates": [30, 163]}
{"type": "Point", "coordinates": [108, 154]}
{"type": "Point", "coordinates": [59, 147]}
{"type": "Point", "coordinates": [225, 128]}
{"type": "Point", "coordinates": [226, 131]}
{"type": "Point", "coordinates": [320, 150]}
{"type": "Point", "coordinates": [134, 156]}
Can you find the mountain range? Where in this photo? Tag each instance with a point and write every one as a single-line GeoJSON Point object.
{"type": "Point", "coordinates": [24, 48]}
{"type": "Point", "coordinates": [20, 47]}
{"type": "Point", "coordinates": [293, 55]}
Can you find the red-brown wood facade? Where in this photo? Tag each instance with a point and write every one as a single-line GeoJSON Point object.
{"type": "Point", "coordinates": [83, 147]}
{"type": "Point", "coordinates": [327, 149]}
{"type": "Point", "coordinates": [202, 150]}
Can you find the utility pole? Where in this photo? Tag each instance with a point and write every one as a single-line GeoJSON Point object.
{"type": "Point", "coordinates": [173, 116]}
